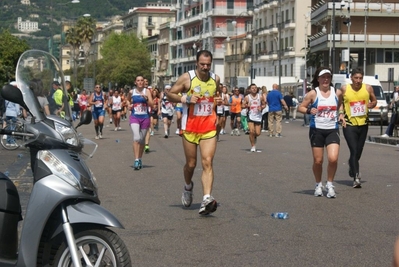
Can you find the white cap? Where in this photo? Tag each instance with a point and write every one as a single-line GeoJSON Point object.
{"type": "Point", "coordinates": [324, 72]}
{"type": "Point", "coordinates": [13, 83]}
{"type": "Point", "coordinates": [168, 86]}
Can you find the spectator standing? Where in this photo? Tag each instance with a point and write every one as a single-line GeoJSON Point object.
{"type": "Point", "coordinates": [358, 98]}
{"type": "Point", "coordinates": [265, 113]}
{"type": "Point", "coordinates": [276, 104]}
{"type": "Point", "coordinates": [288, 102]}
{"type": "Point", "coordinates": [394, 105]}
{"type": "Point", "coordinates": [199, 88]}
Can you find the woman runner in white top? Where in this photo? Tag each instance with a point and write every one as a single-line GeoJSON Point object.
{"type": "Point", "coordinates": [322, 104]}
{"type": "Point", "coordinates": [255, 102]}
{"type": "Point", "coordinates": [116, 106]}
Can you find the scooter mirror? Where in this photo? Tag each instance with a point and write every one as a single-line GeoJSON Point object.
{"type": "Point", "coordinates": [13, 94]}
{"type": "Point", "coordinates": [85, 118]}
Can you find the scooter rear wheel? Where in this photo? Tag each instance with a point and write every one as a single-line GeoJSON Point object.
{"type": "Point", "coordinates": [96, 247]}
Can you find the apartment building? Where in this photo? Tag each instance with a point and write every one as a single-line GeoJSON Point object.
{"type": "Point", "coordinates": [27, 25]}
{"type": "Point", "coordinates": [145, 21]}
{"type": "Point", "coordinates": [205, 24]}
{"type": "Point", "coordinates": [367, 30]}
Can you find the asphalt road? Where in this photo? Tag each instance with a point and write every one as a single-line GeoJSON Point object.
{"type": "Point", "coordinates": [358, 228]}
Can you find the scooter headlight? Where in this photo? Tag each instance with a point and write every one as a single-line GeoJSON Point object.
{"type": "Point", "coordinates": [68, 133]}
{"type": "Point", "coordinates": [69, 175]}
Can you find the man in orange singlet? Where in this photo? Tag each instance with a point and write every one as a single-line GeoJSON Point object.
{"type": "Point", "coordinates": [198, 94]}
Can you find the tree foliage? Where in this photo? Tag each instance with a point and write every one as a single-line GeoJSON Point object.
{"type": "Point", "coordinates": [10, 49]}
{"type": "Point", "coordinates": [124, 57]}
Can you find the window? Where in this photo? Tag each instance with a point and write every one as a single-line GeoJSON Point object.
{"type": "Point", "coordinates": [230, 4]}
{"type": "Point", "coordinates": [149, 21]}
{"type": "Point", "coordinates": [149, 32]}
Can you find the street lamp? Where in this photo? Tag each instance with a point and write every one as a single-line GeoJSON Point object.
{"type": "Point", "coordinates": [253, 31]}
{"type": "Point", "coordinates": [347, 22]}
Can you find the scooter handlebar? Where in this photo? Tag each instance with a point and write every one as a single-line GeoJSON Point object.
{"type": "Point", "coordinates": [11, 132]}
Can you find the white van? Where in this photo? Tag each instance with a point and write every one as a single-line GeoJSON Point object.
{"type": "Point", "coordinates": [375, 113]}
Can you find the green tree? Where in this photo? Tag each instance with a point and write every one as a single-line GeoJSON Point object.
{"type": "Point", "coordinates": [124, 57]}
{"type": "Point", "coordinates": [85, 28]}
{"type": "Point", "coordinates": [10, 49]}
{"type": "Point", "coordinates": [73, 39]}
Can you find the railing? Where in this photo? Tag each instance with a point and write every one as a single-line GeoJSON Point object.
{"type": "Point", "coordinates": [233, 58]}
{"type": "Point", "coordinates": [358, 38]}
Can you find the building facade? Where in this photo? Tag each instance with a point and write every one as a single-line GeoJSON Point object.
{"type": "Point", "coordinates": [367, 31]}
{"type": "Point", "coordinates": [27, 25]}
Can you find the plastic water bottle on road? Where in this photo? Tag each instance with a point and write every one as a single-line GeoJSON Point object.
{"type": "Point", "coordinates": [280, 215]}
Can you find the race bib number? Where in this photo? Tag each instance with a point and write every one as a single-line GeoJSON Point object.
{"type": "Point", "coordinates": [203, 108]}
{"type": "Point", "coordinates": [168, 105]}
{"type": "Point", "coordinates": [99, 105]}
{"type": "Point", "coordinates": [220, 110]}
{"type": "Point", "coordinates": [327, 112]}
{"type": "Point", "coordinates": [116, 106]}
{"type": "Point", "coordinates": [140, 108]}
{"type": "Point", "coordinates": [358, 108]}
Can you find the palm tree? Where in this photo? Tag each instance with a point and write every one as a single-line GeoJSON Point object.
{"type": "Point", "coordinates": [73, 39]}
{"type": "Point", "coordinates": [85, 27]}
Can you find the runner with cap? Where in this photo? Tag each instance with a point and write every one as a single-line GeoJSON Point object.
{"type": "Point", "coordinates": [322, 104]}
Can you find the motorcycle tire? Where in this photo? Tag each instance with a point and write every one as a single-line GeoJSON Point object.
{"type": "Point", "coordinates": [101, 247]}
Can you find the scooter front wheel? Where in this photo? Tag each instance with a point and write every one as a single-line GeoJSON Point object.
{"type": "Point", "coordinates": [96, 247]}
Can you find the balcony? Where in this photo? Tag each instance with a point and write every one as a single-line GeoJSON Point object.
{"type": "Point", "coordinates": [233, 58]}
{"type": "Point", "coordinates": [150, 25]}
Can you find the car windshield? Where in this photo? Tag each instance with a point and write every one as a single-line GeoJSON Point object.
{"type": "Point", "coordinates": [37, 67]}
{"type": "Point", "coordinates": [379, 94]}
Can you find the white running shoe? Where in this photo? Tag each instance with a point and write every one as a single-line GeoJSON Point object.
{"type": "Point", "coordinates": [253, 149]}
{"type": "Point", "coordinates": [116, 129]}
{"type": "Point", "coordinates": [177, 131]}
{"type": "Point", "coordinates": [356, 183]}
{"type": "Point", "coordinates": [385, 135]}
{"type": "Point", "coordinates": [97, 137]}
{"type": "Point", "coordinates": [100, 136]}
{"type": "Point", "coordinates": [330, 191]}
{"type": "Point", "coordinates": [237, 132]}
{"type": "Point", "coordinates": [187, 196]}
{"type": "Point", "coordinates": [208, 206]}
{"type": "Point", "coordinates": [318, 192]}
{"type": "Point", "coordinates": [119, 128]}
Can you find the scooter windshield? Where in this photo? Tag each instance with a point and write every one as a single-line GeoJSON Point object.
{"type": "Point", "coordinates": [39, 74]}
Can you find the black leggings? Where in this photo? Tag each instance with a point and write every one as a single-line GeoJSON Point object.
{"type": "Point", "coordinates": [355, 137]}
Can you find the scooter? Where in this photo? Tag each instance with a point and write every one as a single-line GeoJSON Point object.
{"type": "Point", "coordinates": [64, 224]}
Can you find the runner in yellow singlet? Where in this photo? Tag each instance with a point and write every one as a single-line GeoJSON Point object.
{"type": "Point", "coordinates": [358, 98]}
{"type": "Point", "coordinates": [198, 88]}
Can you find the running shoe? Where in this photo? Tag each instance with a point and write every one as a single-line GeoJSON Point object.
{"type": "Point", "coordinates": [152, 133]}
{"type": "Point", "coordinates": [110, 121]}
{"type": "Point", "coordinates": [356, 182]}
{"type": "Point", "coordinates": [100, 136]}
{"type": "Point", "coordinates": [119, 128]}
{"type": "Point", "coordinates": [116, 129]}
{"type": "Point", "coordinates": [177, 131]}
{"type": "Point", "coordinates": [232, 132]}
{"type": "Point", "coordinates": [208, 206]}
{"type": "Point", "coordinates": [140, 164]}
{"type": "Point", "coordinates": [136, 164]}
{"type": "Point", "coordinates": [146, 148]}
{"type": "Point", "coordinates": [318, 192]}
{"type": "Point", "coordinates": [237, 132]}
{"type": "Point", "coordinates": [253, 149]}
{"type": "Point", "coordinates": [187, 196]}
{"type": "Point", "coordinates": [330, 191]}
{"type": "Point", "coordinates": [264, 131]}
{"type": "Point", "coordinates": [278, 135]}
{"type": "Point", "coordinates": [97, 137]}
{"type": "Point", "coordinates": [270, 135]}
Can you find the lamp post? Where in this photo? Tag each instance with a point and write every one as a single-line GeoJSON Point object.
{"type": "Point", "coordinates": [253, 32]}
{"type": "Point", "coordinates": [51, 45]}
{"type": "Point", "coordinates": [279, 43]}
{"type": "Point", "coordinates": [348, 23]}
